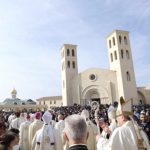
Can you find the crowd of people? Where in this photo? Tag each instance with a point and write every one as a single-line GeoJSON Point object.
{"type": "Point", "coordinates": [107, 127]}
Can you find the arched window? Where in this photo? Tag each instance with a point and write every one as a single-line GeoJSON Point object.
{"type": "Point", "coordinates": [68, 52]}
{"type": "Point", "coordinates": [120, 39]}
{"type": "Point", "coordinates": [54, 102]}
{"type": "Point", "coordinates": [122, 53]}
{"type": "Point", "coordinates": [128, 76]}
{"type": "Point", "coordinates": [125, 40]}
{"type": "Point", "coordinates": [73, 64]}
{"type": "Point", "coordinates": [127, 54]}
{"type": "Point", "coordinates": [73, 54]}
{"type": "Point", "coordinates": [113, 41]}
{"type": "Point", "coordinates": [111, 57]}
{"type": "Point", "coordinates": [109, 43]}
{"type": "Point", "coordinates": [50, 102]}
{"type": "Point", "coordinates": [68, 64]}
{"type": "Point", "coordinates": [115, 53]}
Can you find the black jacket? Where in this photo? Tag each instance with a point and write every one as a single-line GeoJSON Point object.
{"type": "Point", "coordinates": [78, 147]}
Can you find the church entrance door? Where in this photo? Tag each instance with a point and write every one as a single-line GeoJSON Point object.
{"type": "Point", "coordinates": [96, 99]}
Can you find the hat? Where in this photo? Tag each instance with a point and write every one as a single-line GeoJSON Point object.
{"type": "Point", "coordinates": [111, 112]}
{"type": "Point", "coordinates": [47, 117]}
{"type": "Point", "coordinates": [124, 107]}
{"type": "Point", "coordinates": [37, 115]}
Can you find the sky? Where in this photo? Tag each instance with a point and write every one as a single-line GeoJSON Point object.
{"type": "Point", "coordinates": [33, 31]}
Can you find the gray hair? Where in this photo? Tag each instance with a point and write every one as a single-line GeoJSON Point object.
{"type": "Point", "coordinates": [76, 127]}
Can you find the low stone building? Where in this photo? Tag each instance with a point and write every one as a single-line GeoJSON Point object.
{"type": "Point", "coordinates": [51, 101]}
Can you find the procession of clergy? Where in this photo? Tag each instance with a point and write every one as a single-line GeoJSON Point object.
{"type": "Point", "coordinates": [123, 131]}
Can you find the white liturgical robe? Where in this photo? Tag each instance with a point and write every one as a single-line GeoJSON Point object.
{"type": "Point", "coordinates": [113, 125]}
{"type": "Point", "coordinates": [93, 131]}
{"type": "Point", "coordinates": [44, 138]}
{"type": "Point", "coordinates": [24, 134]}
{"type": "Point", "coordinates": [122, 138]}
{"type": "Point", "coordinates": [16, 123]}
{"type": "Point", "coordinates": [59, 127]}
{"type": "Point", "coordinates": [34, 126]}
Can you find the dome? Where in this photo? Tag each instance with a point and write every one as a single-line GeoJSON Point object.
{"type": "Point", "coordinates": [14, 91]}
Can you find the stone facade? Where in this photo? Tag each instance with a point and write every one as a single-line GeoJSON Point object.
{"type": "Point", "coordinates": [102, 85]}
{"type": "Point", "coordinates": [95, 84]}
{"type": "Point", "coordinates": [52, 101]}
{"type": "Point", "coordinates": [144, 94]}
{"type": "Point", "coordinates": [28, 107]}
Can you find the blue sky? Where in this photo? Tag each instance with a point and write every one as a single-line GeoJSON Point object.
{"type": "Point", "coordinates": [32, 32]}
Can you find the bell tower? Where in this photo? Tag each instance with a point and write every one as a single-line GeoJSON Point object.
{"type": "Point", "coordinates": [69, 70]}
{"type": "Point", "coordinates": [120, 60]}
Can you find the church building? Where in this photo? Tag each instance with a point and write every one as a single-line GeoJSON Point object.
{"type": "Point", "coordinates": [102, 85]}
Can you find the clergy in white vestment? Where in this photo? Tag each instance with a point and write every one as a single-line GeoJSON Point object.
{"type": "Point", "coordinates": [11, 117]}
{"type": "Point", "coordinates": [112, 119]}
{"type": "Point", "coordinates": [122, 137]}
{"type": "Point", "coordinates": [44, 138]}
{"type": "Point", "coordinates": [24, 134]}
{"type": "Point", "coordinates": [59, 127]}
{"type": "Point", "coordinates": [15, 123]}
{"type": "Point", "coordinates": [92, 129]}
{"type": "Point", "coordinates": [65, 143]}
{"type": "Point", "coordinates": [141, 138]}
{"type": "Point", "coordinates": [34, 126]}
{"type": "Point", "coordinates": [22, 117]}
{"type": "Point", "coordinates": [32, 116]}
{"type": "Point", "coordinates": [53, 122]}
